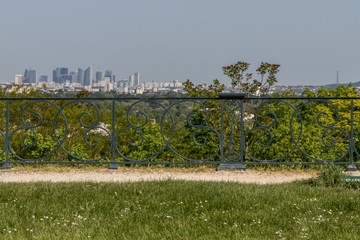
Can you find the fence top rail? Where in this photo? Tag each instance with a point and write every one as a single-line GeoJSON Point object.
{"type": "Point", "coordinates": [176, 98]}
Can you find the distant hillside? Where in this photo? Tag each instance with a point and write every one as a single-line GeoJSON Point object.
{"type": "Point", "coordinates": [333, 86]}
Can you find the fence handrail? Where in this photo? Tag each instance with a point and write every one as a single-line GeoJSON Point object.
{"type": "Point", "coordinates": [234, 97]}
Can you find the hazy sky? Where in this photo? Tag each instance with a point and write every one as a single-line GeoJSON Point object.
{"type": "Point", "coordinates": [184, 39]}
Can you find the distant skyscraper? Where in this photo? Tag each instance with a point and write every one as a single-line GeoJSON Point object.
{"type": "Point", "coordinates": [337, 77]}
{"type": "Point", "coordinates": [55, 75]}
{"type": "Point", "coordinates": [29, 76]}
{"type": "Point", "coordinates": [74, 76]}
{"type": "Point", "coordinates": [19, 79]}
{"type": "Point", "coordinates": [80, 76]}
{"type": "Point", "coordinates": [61, 75]}
{"type": "Point", "coordinates": [64, 71]}
{"type": "Point", "coordinates": [88, 76]}
{"type": "Point", "coordinates": [99, 76]}
{"type": "Point", "coordinates": [43, 78]}
{"type": "Point", "coordinates": [131, 81]}
{"type": "Point", "coordinates": [108, 73]}
{"type": "Point", "coordinates": [57, 72]}
{"type": "Point", "coordinates": [137, 79]}
{"type": "Point", "coordinates": [32, 76]}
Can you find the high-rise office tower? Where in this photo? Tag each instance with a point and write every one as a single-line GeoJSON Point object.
{"type": "Point", "coordinates": [25, 74]}
{"type": "Point", "coordinates": [64, 71]}
{"type": "Point", "coordinates": [32, 76]}
{"type": "Point", "coordinates": [43, 78]}
{"type": "Point", "coordinates": [88, 76]}
{"type": "Point", "coordinates": [80, 76]}
{"type": "Point", "coordinates": [137, 79]}
{"type": "Point", "coordinates": [131, 81]}
{"type": "Point", "coordinates": [55, 75]}
{"type": "Point", "coordinates": [19, 79]}
{"type": "Point", "coordinates": [108, 73]}
{"type": "Point", "coordinates": [99, 76]}
{"type": "Point", "coordinates": [73, 76]}
{"type": "Point", "coordinates": [61, 75]}
{"type": "Point", "coordinates": [29, 76]}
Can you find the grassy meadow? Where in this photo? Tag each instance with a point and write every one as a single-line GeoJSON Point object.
{"type": "Point", "coordinates": [177, 210]}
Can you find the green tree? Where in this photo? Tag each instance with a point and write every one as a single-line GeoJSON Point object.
{"type": "Point", "coordinates": [244, 81]}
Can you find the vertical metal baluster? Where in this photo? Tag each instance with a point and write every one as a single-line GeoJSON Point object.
{"type": "Point", "coordinates": [7, 164]}
{"type": "Point", "coordinates": [113, 140]}
{"type": "Point", "coordinates": [352, 166]}
{"type": "Point", "coordinates": [232, 165]}
{"type": "Point", "coordinates": [242, 144]}
{"type": "Point", "coordinates": [222, 132]}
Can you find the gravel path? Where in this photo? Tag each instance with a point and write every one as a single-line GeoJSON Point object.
{"type": "Point", "coordinates": [105, 175]}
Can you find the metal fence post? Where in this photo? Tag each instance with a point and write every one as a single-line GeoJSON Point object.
{"type": "Point", "coordinates": [222, 132]}
{"type": "Point", "coordinates": [7, 164]}
{"type": "Point", "coordinates": [232, 164]}
{"type": "Point", "coordinates": [242, 139]}
{"type": "Point", "coordinates": [113, 165]}
{"type": "Point", "coordinates": [352, 166]}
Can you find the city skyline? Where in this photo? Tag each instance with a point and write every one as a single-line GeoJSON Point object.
{"type": "Point", "coordinates": [63, 79]}
{"type": "Point", "coordinates": [63, 74]}
{"type": "Point", "coordinates": [168, 40]}
{"type": "Point", "coordinates": [75, 81]}
{"type": "Point", "coordinates": [67, 73]}
{"type": "Point", "coordinates": [95, 77]}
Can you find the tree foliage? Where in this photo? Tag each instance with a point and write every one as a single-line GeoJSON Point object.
{"type": "Point", "coordinates": [244, 81]}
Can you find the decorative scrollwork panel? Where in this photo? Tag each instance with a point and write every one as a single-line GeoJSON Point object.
{"type": "Point", "coordinates": [180, 130]}
{"type": "Point", "coordinates": [146, 136]}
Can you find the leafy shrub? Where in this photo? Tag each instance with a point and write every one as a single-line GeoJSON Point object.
{"type": "Point", "coordinates": [78, 151]}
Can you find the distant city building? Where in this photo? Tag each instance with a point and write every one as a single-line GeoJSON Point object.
{"type": "Point", "coordinates": [66, 80]}
{"type": "Point", "coordinates": [80, 76]}
{"type": "Point", "coordinates": [177, 83]}
{"type": "Point", "coordinates": [99, 76]}
{"type": "Point", "coordinates": [137, 79]}
{"type": "Point", "coordinates": [19, 79]}
{"type": "Point", "coordinates": [123, 83]}
{"type": "Point", "coordinates": [43, 78]}
{"type": "Point", "coordinates": [88, 76]}
{"type": "Point", "coordinates": [74, 76]}
{"type": "Point", "coordinates": [64, 71]}
{"type": "Point", "coordinates": [131, 81]}
{"type": "Point", "coordinates": [56, 74]}
{"type": "Point", "coordinates": [29, 76]}
{"type": "Point", "coordinates": [61, 75]}
{"type": "Point", "coordinates": [108, 73]}
{"type": "Point", "coordinates": [155, 84]}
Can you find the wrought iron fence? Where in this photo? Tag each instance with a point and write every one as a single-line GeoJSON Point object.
{"type": "Point", "coordinates": [231, 130]}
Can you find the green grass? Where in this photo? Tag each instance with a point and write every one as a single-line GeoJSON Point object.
{"type": "Point", "coordinates": [177, 210]}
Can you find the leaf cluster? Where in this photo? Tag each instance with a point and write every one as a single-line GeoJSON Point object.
{"type": "Point", "coordinates": [244, 82]}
